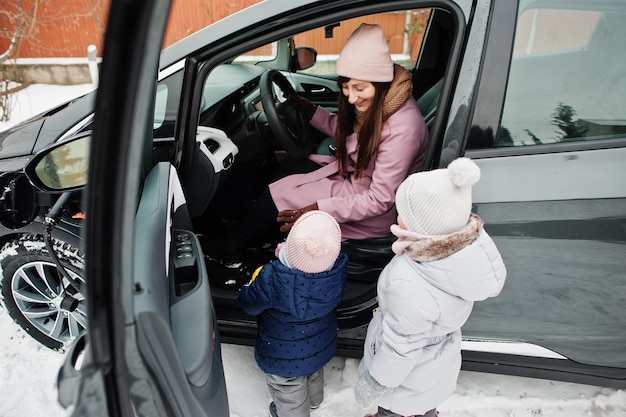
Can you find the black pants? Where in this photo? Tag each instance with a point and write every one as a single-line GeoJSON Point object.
{"type": "Point", "coordinates": [260, 219]}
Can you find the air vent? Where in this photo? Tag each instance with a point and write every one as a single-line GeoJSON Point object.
{"type": "Point", "coordinates": [212, 145]}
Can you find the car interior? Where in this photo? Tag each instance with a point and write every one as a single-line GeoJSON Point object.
{"type": "Point", "coordinates": [237, 151]}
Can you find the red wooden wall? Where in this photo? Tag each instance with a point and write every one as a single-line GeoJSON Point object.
{"type": "Point", "coordinates": [65, 28]}
{"type": "Point", "coordinates": [53, 28]}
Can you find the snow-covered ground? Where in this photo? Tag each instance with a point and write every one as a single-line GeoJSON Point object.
{"type": "Point", "coordinates": [28, 371]}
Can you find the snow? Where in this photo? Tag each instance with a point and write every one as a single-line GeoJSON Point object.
{"type": "Point", "coordinates": [28, 371]}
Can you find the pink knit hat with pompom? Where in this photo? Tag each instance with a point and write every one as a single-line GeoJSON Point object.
{"type": "Point", "coordinates": [314, 242]}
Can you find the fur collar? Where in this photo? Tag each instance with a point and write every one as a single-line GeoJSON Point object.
{"type": "Point", "coordinates": [427, 248]}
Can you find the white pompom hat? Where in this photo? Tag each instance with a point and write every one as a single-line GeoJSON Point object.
{"type": "Point", "coordinates": [438, 202]}
{"type": "Point", "coordinates": [314, 242]}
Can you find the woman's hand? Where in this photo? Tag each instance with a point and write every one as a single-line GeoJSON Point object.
{"type": "Point", "coordinates": [289, 217]}
{"type": "Point", "coordinates": [306, 107]}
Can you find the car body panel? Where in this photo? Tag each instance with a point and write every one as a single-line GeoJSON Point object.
{"type": "Point", "coordinates": [20, 141]}
{"type": "Point", "coordinates": [65, 120]}
{"type": "Point", "coordinates": [559, 228]}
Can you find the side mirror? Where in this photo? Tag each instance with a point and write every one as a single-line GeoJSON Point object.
{"type": "Point", "coordinates": [62, 166]}
{"type": "Point", "coordinates": [305, 58]}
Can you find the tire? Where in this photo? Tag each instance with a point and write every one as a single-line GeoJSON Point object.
{"type": "Point", "coordinates": [36, 294]}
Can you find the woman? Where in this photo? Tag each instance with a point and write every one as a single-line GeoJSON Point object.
{"type": "Point", "coordinates": [381, 138]}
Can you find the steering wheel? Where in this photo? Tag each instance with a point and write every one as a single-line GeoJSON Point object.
{"type": "Point", "coordinates": [287, 122]}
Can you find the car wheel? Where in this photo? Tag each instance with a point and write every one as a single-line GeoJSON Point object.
{"type": "Point", "coordinates": [36, 294]}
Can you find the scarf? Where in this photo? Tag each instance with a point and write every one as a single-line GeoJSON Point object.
{"type": "Point", "coordinates": [400, 90]}
{"type": "Point", "coordinates": [427, 248]}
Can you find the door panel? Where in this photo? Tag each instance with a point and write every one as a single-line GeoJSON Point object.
{"type": "Point", "coordinates": [176, 329]}
{"type": "Point", "coordinates": [559, 221]}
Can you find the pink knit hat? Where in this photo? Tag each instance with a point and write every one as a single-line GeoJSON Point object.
{"type": "Point", "coordinates": [365, 56]}
{"type": "Point", "coordinates": [314, 242]}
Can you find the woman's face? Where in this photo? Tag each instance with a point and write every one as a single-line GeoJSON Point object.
{"type": "Point", "coordinates": [360, 93]}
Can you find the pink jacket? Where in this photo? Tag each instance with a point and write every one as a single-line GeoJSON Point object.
{"type": "Point", "coordinates": [364, 208]}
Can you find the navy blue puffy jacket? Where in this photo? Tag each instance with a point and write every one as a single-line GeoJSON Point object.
{"type": "Point", "coordinates": [297, 323]}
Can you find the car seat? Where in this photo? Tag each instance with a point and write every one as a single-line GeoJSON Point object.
{"type": "Point", "coordinates": [427, 103]}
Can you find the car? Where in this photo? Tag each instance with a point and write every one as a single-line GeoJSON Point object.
{"type": "Point", "coordinates": [532, 91]}
{"type": "Point", "coordinates": [22, 217]}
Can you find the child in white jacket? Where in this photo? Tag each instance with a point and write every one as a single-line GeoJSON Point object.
{"type": "Point", "coordinates": [445, 261]}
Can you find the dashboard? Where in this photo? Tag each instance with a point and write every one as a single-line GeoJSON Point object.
{"type": "Point", "coordinates": [231, 94]}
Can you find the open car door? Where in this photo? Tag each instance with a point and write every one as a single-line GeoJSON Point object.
{"type": "Point", "coordinates": [152, 346]}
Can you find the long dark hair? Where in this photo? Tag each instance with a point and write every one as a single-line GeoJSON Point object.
{"type": "Point", "coordinates": [370, 131]}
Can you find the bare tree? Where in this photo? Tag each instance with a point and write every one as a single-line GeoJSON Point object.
{"type": "Point", "coordinates": [97, 9]}
{"type": "Point", "coordinates": [15, 25]}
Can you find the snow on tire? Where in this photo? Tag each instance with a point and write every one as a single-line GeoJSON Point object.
{"type": "Point", "coordinates": [37, 296]}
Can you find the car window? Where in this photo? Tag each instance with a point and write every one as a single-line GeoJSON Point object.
{"type": "Point", "coordinates": [165, 108]}
{"type": "Point", "coordinates": [160, 105]}
{"type": "Point", "coordinates": [566, 78]}
{"type": "Point", "coordinates": [404, 30]}
{"type": "Point", "coordinates": [265, 53]}
{"type": "Point", "coordinates": [167, 101]}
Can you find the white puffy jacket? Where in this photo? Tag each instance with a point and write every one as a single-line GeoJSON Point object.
{"type": "Point", "coordinates": [413, 343]}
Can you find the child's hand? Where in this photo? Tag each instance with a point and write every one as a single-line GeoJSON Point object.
{"type": "Point", "coordinates": [367, 390]}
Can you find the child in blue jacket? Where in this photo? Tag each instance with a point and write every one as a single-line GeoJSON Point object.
{"type": "Point", "coordinates": [294, 299]}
